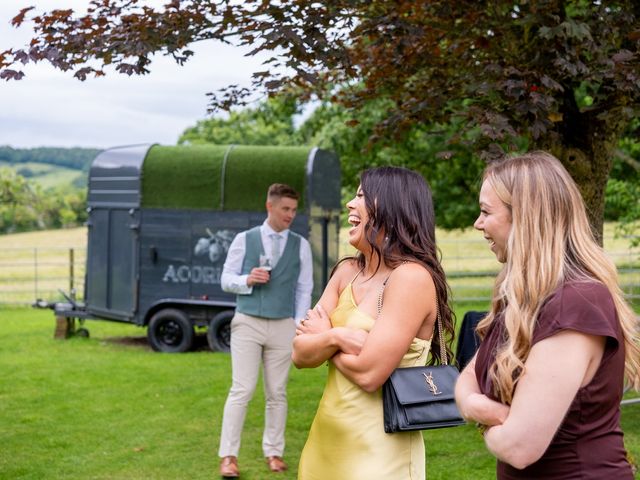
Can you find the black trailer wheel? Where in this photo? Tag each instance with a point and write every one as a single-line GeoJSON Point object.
{"type": "Point", "coordinates": [170, 331]}
{"type": "Point", "coordinates": [219, 332]}
{"type": "Point", "coordinates": [82, 332]}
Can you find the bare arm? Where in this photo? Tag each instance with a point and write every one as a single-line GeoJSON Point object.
{"type": "Point", "coordinates": [312, 350]}
{"type": "Point", "coordinates": [474, 405]}
{"type": "Point", "coordinates": [409, 299]}
{"type": "Point", "coordinates": [316, 341]}
{"type": "Point", "coordinates": [554, 371]}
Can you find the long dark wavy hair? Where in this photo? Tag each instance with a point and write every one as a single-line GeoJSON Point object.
{"type": "Point", "coordinates": [400, 209]}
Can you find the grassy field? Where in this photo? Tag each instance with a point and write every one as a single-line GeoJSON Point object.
{"type": "Point", "coordinates": [36, 264]}
{"type": "Point", "coordinates": [107, 407]}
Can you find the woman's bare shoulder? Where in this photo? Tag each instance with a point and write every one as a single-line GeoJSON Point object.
{"type": "Point", "coordinates": [413, 275]}
{"type": "Point", "coordinates": [346, 270]}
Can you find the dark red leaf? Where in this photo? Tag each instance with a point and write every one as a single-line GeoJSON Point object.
{"type": "Point", "coordinates": [8, 74]}
{"type": "Point", "coordinates": [18, 19]}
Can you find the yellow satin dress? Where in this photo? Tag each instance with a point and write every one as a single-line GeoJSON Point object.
{"type": "Point", "coordinates": [347, 440]}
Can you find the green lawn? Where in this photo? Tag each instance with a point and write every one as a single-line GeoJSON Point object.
{"type": "Point", "coordinates": [109, 408]}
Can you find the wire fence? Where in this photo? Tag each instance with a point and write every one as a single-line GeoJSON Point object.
{"type": "Point", "coordinates": [471, 267]}
{"type": "Point", "coordinates": [28, 274]}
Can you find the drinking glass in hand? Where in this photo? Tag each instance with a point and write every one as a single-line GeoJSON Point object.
{"type": "Point", "coordinates": [265, 263]}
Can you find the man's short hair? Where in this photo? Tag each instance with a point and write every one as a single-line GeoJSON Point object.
{"type": "Point", "coordinates": [280, 190]}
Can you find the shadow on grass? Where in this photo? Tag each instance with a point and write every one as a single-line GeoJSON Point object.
{"type": "Point", "coordinates": [199, 342]}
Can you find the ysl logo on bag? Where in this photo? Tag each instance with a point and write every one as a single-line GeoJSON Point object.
{"type": "Point", "coordinates": [432, 385]}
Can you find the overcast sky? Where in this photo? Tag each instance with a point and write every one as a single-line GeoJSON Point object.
{"type": "Point", "coordinates": [51, 108]}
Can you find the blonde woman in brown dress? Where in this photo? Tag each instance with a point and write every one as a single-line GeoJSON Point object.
{"type": "Point", "coordinates": [547, 380]}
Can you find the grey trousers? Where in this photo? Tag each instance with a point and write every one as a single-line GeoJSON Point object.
{"type": "Point", "coordinates": [254, 342]}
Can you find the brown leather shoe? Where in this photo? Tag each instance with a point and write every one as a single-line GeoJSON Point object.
{"type": "Point", "coordinates": [276, 464]}
{"type": "Point", "coordinates": [229, 467]}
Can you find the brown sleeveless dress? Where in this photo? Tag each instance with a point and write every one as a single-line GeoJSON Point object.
{"type": "Point", "coordinates": [589, 442]}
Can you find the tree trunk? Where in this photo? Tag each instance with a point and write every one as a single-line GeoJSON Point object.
{"type": "Point", "coordinates": [586, 145]}
{"type": "Point", "coordinates": [590, 170]}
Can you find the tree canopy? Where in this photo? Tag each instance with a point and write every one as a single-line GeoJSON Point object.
{"type": "Point", "coordinates": [564, 75]}
{"type": "Point", "coordinates": [270, 123]}
{"type": "Point", "coordinates": [453, 171]}
{"type": "Point", "coordinates": [25, 206]}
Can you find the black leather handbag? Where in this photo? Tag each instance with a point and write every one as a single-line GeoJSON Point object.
{"type": "Point", "coordinates": [421, 398]}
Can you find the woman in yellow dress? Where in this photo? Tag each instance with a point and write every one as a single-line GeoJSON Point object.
{"type": "Point", "coordinates": [367, 334]}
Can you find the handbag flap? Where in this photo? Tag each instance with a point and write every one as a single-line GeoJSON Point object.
{"type": "Point", "coordinates": [424, 384]}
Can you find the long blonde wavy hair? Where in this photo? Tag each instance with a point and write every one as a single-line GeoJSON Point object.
{"type": "Point", "coordinates": [550, 242]}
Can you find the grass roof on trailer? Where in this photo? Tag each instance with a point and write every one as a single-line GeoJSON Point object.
{"type": "Point", "coordinates": [197, 176]}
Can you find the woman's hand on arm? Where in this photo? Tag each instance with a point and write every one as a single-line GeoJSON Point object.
{"type": "Point", "coordinates": [316, 341]}
{"type": "Point", "coordinates": [475, 406]}
{"type": "Point", "coordinates": [350, 340]}
{"type": "Point", "coordinates": [315, 321]}
{"type": "Point", "coordinates": [557, 367]}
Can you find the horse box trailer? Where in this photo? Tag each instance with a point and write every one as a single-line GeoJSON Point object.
{"type": "Point", "coordinates": [160, 221]}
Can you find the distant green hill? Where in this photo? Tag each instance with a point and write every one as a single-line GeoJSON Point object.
{"type": "Point", "coordinates": [75, 158]}
{"type": "Point", "coordinates": [50, 167]}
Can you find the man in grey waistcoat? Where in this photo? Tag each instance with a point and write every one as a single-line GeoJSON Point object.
{"type": "Point", "coordinates": [269, 268]}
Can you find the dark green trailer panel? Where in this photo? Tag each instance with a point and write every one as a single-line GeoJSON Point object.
{"type": "Point", "coordinates": [161, 220]}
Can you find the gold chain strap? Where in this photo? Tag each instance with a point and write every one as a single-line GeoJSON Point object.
{"type": "Point", "coordinates": [380, 299]}
{"type": "Point", "coordinates": [443, 350]}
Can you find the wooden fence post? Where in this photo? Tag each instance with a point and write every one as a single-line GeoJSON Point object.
{"type": "Point", "coordinates": [71, 272]}
{"type": "Point", "coordinates": [35, 272]}
{"type": "Point", "coordinates": [65, 327]}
